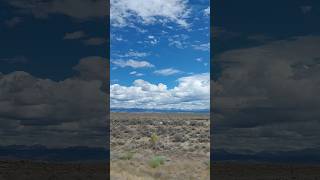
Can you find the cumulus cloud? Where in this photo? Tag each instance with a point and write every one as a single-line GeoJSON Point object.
{"type": "Point", "coordinates": [268, 96]}
{"type": "Point", "coordinates": [206, 11]}
{"type": "Point", "coordinates": [125, 12]}
{"type": "Point", "coordinates": [92, 68]}
{"type": "Point", "coordinates": [191, 93]}
{"type": "Point", "coordinates": [44, 111]}
{"type": "Point", "coordinates": [167, 72]}
{"type": "Point", "coordinates": [132, 63]}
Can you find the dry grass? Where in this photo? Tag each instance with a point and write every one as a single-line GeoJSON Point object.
{"type": "Point", "coordinates": [182, 138]}
{"type": "Point", "coordinates": [179, 170]}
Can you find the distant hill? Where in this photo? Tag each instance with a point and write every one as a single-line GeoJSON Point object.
{"type": "Point", "coordinates": [158, 110]}
{"type": "Point", "coordinates": [309, 156]}
{"type": "Point", "coordinates": [42, 153]}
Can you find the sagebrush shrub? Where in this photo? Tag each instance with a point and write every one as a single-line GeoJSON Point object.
{"type": "Point", "coordinates": [156, 161]}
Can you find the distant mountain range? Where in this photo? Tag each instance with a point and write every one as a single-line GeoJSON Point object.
{"type": "Point", "coordinates": [158, 110]}
{"type": "Point", "coordinates": [42, 153]}
{"type": "Point", "coordinates": [309, 156]}
{"type": "Point", "coordinates": [79, 153]}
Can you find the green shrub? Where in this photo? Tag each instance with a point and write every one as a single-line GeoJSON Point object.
{"type": "Point", "coordinates": [154, 139]}
{"type": "Point", "coordinates": [156, 161]}
{"type": "Point", "coordinates": [127, 156]}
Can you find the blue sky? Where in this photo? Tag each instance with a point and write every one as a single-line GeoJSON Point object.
{"type": "Point", "coordinates": [163, 42]}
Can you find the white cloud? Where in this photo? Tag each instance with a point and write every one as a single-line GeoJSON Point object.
{"type": "Point", "coordinates": [202, 47]}
{"type": "Point", "coordinates": [152, 40]}
{"type": "Point", "coordinates": [117, 37]}
{"type": "Point", "coordinates": [135, 73]}
{"type": "Point", "coordinates": [74, 35]}
{"type": "Point", "coordinates": [139, 74]}
{"type": "Point", "coordinates": [167, 72]}
{"type": "Point", "coordinates": [192, 92]}
{"type": "Point", "coordinates": [206, 11]}
{"type": "Point", "coordinates": [126, 12]}
{"type": "Point", "coordinates": [179, 41]}
{"type": "Point", "coordinates": [132, 63]}
{"type": "Point", "coordinates": [199, 59]}
{"type": "Point", "coordinates": [133, 54]}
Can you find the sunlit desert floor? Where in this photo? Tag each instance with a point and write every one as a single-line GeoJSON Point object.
{"type": "Point", "coordinates": [180, 140]}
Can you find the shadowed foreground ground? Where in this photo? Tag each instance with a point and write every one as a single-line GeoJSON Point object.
{"type": "Point", "coordinates": [28, 170]}
{"type": "Point", "coordinates": [237, 171]}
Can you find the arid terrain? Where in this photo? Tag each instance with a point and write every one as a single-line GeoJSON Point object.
{"type": "Point", "coordinates": [259, 171]}
{"type": "Point", "coordinates": [31, 170]}
{"type": "Point", "coordinates": [160, 146]}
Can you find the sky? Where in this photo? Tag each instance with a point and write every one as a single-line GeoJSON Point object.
{"type": "Point", "coordinates": [265, 70]}
{"type": "Point", "coordinates": [265, 76]}
{"type": "Point", "coordinates": [52, 73]}
{"type": "Point", "coordinates": [160, 54]}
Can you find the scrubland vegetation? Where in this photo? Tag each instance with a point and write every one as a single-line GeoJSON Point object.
{"type": "Point", "coordinates": [166, 145]}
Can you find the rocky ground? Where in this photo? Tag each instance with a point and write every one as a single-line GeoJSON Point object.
{"type": "Point", "coordinates": [31, 170]}
{"type": "Point", "coordinates": [182, 139]}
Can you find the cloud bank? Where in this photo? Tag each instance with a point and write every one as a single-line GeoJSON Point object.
{"type": "Point", "coordinates": [191, 93]}
{"type": "Point", "coordinates": [42, 111]}
{"type": "Point", "coordinates": [267, 97]}
{"type": "Point", "coordinates": [126, 12]}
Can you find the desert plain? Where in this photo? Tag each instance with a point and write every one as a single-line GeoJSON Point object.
{"type": "Point", "coordinates": [160, 146]}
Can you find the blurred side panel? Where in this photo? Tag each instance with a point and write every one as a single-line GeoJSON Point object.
{"type": "Point", "coordinates": [265, 96]}
{"type": "Point", "coordinates": [54, 89]}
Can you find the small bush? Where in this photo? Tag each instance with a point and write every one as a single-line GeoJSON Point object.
{"type": "Point", "coordinates": [127, 156]}
{"type": "Point", "coordinates": [156, 161]}
{"type": "Point", "coordinates": [154, 139]}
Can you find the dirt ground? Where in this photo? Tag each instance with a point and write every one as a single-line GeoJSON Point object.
{"type": "Point", "coordinates": [182, 139]}
{"type": "Point", "coordinates": [31, 170]}
{"type": "Point", "coordinates": [241, 171]}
